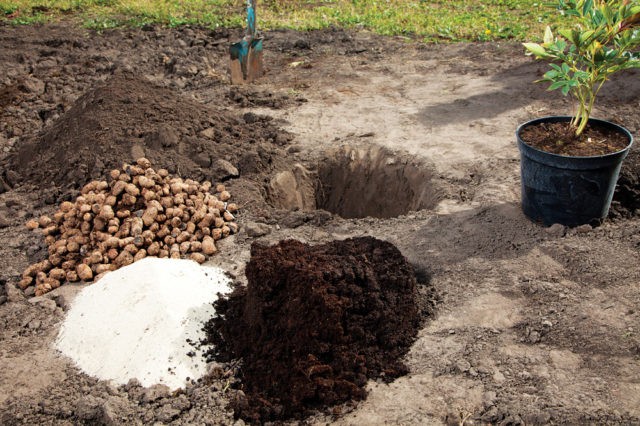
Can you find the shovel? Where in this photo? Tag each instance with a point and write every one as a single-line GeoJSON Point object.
{"type": "Point", "coordinates": [246, 55]}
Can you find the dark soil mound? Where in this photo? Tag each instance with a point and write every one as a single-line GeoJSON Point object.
{"type": "Point", "coordinates": [315, 322]}
{"type": "Point", "coordinates": [626, 199]}
{"type": "Point", "coordinates": [128, 117]}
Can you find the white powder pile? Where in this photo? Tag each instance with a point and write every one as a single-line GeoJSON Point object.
{"type": "Point", "coordinates": [135, 322]}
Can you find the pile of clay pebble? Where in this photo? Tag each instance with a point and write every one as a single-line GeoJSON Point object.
{"type": "Point", "coordinates": [137, 212]}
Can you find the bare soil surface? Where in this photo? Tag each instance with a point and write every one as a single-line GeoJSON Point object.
{"type": "Point", "coordinates": [346, 135]}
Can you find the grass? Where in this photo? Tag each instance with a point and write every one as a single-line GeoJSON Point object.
{"type": "Point", "coordinates": [439, 20]}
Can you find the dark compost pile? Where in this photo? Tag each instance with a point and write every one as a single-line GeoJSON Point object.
{"type": "Point", "coordinates": [314, 323]}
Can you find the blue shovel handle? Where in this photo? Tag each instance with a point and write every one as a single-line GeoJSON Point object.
{"type": "Point", "coordinates": [251, 18]}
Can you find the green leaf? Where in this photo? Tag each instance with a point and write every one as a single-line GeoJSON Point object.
{"type": "Point", "coordinates": [587, 6]}
{"type": "Point", "coordinates": [561, 45]}
{"type": "Point", "coordinates": [610, 54]}
{"type": "Point", "coordinates": [575, 37]}
{"type": "Point", "coordinates": [565, 90]}
{"type": "Point", "coordinates": [557, 84]}
{"type": "Point", "coordinates": [585, 36]}
{"type": "Point", "coordinates": [565, 33]}
{"type": "Point", "coordinates": [536, 49]}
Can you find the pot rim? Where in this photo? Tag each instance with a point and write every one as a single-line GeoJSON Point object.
{"type": "Point", "coordinates": [622, 129]}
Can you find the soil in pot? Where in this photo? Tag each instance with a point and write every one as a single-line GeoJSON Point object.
{"type": "Point", "coordinates": [560, 138]}
{"type": "Point", "coordinates": [315, 323]}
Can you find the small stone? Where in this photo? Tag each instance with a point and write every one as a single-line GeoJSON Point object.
{"type": "Point", "coordinates": [13, 293]}
{"type": "Point", "coordinates": [209, 133]}
{"type": "Point", "coordinates": [84, 272]}
{"type": "Point", "coordinates": [208, 246]}
{"type": "Point", "coordinates": [32, 224]}
{"type": "Point", "coordinates": [198, 257]}
{"type": "Point", "coordinates": [547, 323]}
{"type": "Point", "coordinates": [223, 170]}
{"type": "Point", "coordinates": [256, 230]}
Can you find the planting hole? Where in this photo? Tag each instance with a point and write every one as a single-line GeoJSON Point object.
{"type": "Point", "coordinates": [372, 181]}
{"type": "Point", "coordinates": [356, 182]}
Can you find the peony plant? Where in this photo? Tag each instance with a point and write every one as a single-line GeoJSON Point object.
{"type": "Point", "coordinates": [603, 40]}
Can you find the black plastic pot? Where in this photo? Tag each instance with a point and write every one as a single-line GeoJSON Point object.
{"type": "Point", "coordinates": [568, 190]}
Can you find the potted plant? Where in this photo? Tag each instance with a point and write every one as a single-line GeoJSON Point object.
{"type": "Point", "coordinates": [570, 164]}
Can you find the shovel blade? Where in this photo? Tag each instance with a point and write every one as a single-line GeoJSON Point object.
{"type": "Point", "coordinates": [246, 63]}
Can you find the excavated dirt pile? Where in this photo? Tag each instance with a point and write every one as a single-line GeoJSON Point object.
{"type": "Point", "coordinates": [314, 323]}
{"type": "Point", "coordinates": [128, 117]}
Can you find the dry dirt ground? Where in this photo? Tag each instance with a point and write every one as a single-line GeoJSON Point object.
{"type": "Point", "coordinates": [347, 135]}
